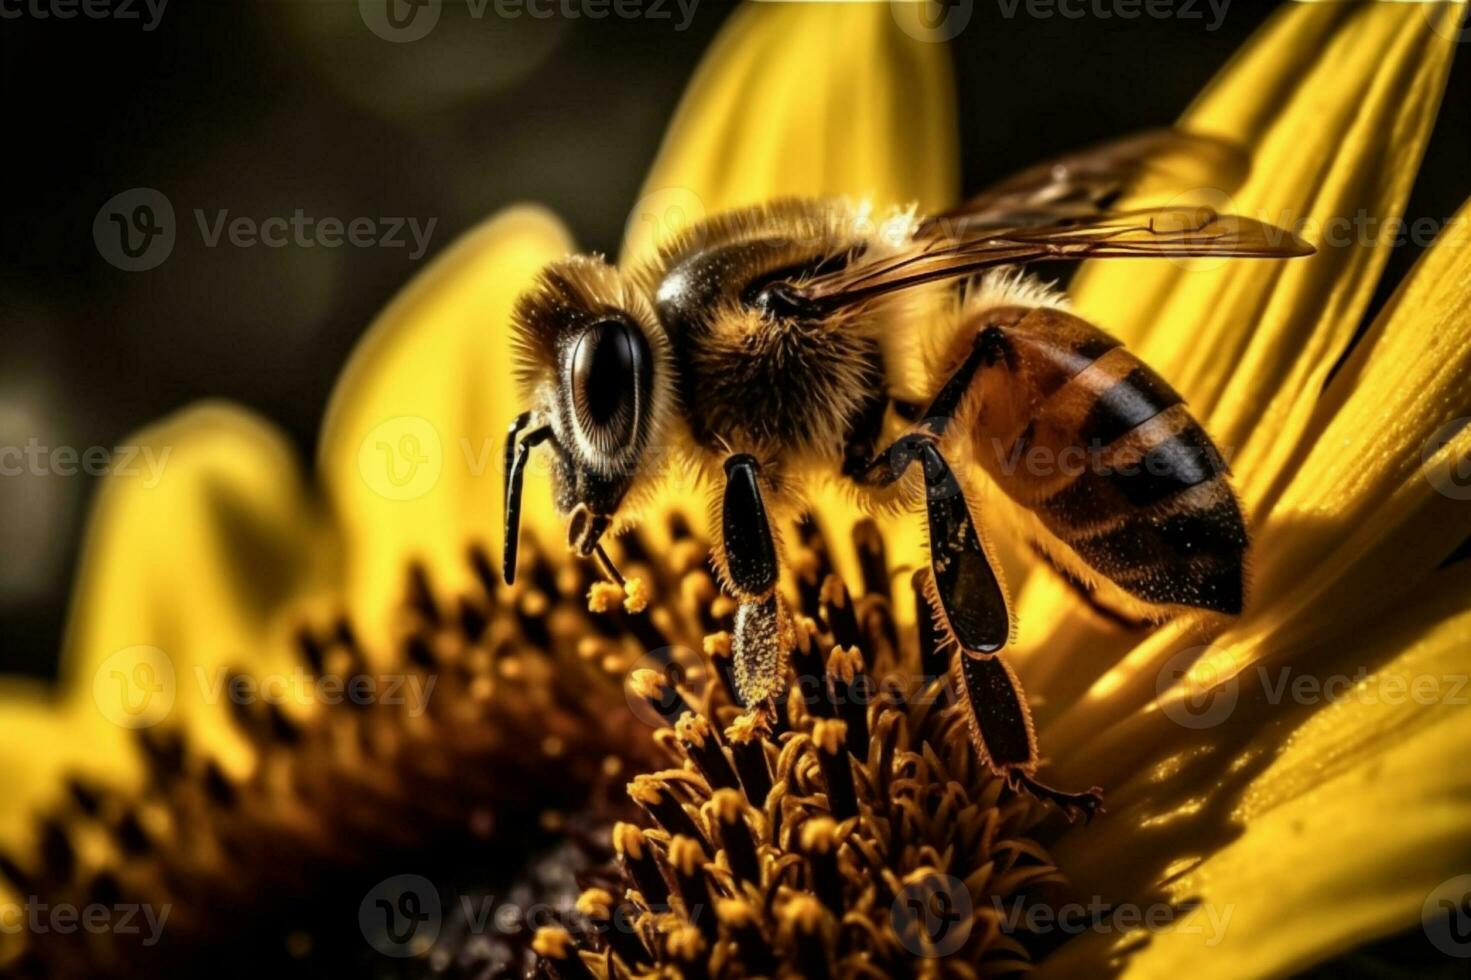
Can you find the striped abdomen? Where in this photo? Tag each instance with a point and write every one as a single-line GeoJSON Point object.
{"type": "Point", "coordinates": [1104, 452]}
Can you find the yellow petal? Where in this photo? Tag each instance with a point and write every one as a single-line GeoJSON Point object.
{"type": "Point", "coordinates": [807, 99]}
{"type": "Point", "coordinates": [1335, 103]}
{"type": "Point", "coordinates": [1335, 823]}
{"type": "Point", "coordinates": [194, 544]}
{"type": "Point", "coordinates": [411, 446]}
{"type": "Point", "coordinates": [1381, 496]}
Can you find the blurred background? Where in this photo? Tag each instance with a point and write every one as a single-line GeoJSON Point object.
{"type": "Point", "coordinates": [266, 108]}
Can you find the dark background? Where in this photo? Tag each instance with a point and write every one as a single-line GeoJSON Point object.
{"type": "Point", "coordinates": [267, 107]}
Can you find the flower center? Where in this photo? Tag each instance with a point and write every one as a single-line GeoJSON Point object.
{"type": "Point", "coordinates": [576, 787]}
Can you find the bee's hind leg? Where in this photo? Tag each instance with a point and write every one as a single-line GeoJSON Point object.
{"type": "Point", "coordinates": [1001, 728]}
{"type": "Point", "coordinates": [762, 632]}
{"type": "Point", "coordinates": [965, 595]}
{"type": "Point", "coordinates": [969, 594]}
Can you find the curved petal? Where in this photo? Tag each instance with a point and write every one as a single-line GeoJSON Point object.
{"type": "Point", "coordinates": [1293, 774]}
{"type": "Point", "coordinates": [1335, 103]}
{"type": "Point", "coordinates": [812, 100]}
{"type": "Point", "coordinates": [1380, 502]}
{"type": "Point", "coordinates": [1336, 821]}
{"type": "Point", "coordinates": [411, 446]}
{"type": "Point", "coordinates": [198, 537]}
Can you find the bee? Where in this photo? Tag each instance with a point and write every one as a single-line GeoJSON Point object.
{"type": "Point", "coordinates": [806, 339]}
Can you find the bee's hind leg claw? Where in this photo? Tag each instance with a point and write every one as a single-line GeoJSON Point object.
{"type": "Point", "coordinates": [1086, 804]}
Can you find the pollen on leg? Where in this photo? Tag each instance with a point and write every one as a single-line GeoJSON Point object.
{"type": "Point", "coordinates": [604, 597]}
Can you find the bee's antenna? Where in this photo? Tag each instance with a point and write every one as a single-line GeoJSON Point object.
{"type": "Point", "coordinates": [606, 564]}
{"type": "Point", "coordinates": [517, 452]}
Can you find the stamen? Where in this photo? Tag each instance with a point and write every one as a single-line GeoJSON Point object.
{"type": "Point", "coordinates": [638, 860]}
{"type": "Point", "coordinates": [555, 945]}
{"type": "Point", "coordinates": [747, 745]}
{"type": "Point", "coordinates": [819, 840]}
{"type": "Point", "coordinates": [851, 689]}
{"type": "Point", "coordinates": [744, 924]}
{"type": "Point", "coordinates": [687, 858]}
{"type": "Point", "coordinates": [729, 810]}
{"type": "Point", "coordinates": [831, 737]}
{"type": "Point", "coordinates": [615, 924]}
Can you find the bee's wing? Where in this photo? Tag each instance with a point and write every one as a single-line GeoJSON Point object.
{"type": "Point", "coordinates": [1087, 183]}
{"type": "Point", "coordinates": [1151, 232]}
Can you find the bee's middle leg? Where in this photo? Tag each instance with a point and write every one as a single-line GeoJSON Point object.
{"type": "Point", "coordinates": [762, 632]}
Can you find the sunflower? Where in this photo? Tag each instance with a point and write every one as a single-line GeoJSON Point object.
{"type": "Point", "coordinates": [222, 743]}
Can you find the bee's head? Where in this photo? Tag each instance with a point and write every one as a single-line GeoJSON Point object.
{"type": "Point", "coordinates": [593, 367]}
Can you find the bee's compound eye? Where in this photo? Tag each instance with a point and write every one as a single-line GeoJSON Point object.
{"type": "Point", "coordinates": [610, 371]}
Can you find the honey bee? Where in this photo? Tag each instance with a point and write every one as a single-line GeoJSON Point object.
{"type": "Point", "coordinates": [805, 339]}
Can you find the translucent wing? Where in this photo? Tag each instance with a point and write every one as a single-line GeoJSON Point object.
{"type": "Point", "coordinates": [1148, 233]}
{"type": "Point", "coordinates": [1089, 182]}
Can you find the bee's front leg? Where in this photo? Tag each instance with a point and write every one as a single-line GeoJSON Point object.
{"type": "Point", "coordinates": [762, 631]}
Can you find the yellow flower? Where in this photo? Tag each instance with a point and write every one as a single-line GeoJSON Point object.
{"type": "Point", "coordinates": [1291, 820]}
